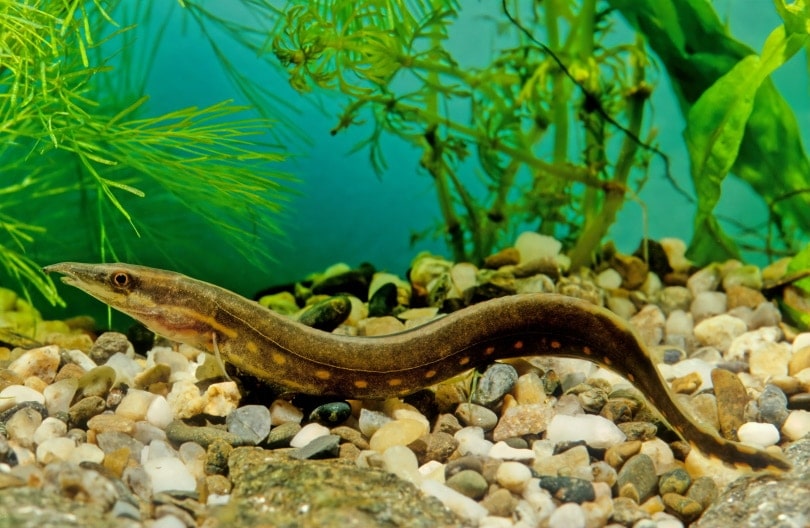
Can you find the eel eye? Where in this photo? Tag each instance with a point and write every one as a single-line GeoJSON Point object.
{"type": "Point", "coordinates": [121, 279]}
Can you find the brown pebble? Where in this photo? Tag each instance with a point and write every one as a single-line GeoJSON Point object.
{"type": "Point", "coordinates": [632, 269]}
{"type": "Point", "coordinates": [506, 257]}
{"type": "Point", "coordinates": [434, 446]}
{"type": "Point", "coordinates": [731, 401]}
{"type": "Point", "coordinates": [102, 423]}
{"type": "Point", "coordinates": [158, 373]}
{"type": "Point", "coordinates": [218, 484]}
{"type": "Point", "coordinates": [348, 451]}
{"type": "Point", "coordinates": [799, 361]}
{"type": "Point", "coordinates": [216, 457]}
{"type": "Point", "coordinates": [703, 490]}
{"type": "Point", "coordinates": [351, 435]}
{"type": "Point", "coordinates": [69, 371]}
{"type": "Point", "coordinates": [116, 461]}
{"type": "Point", "coordinates": [617, 455]}
{"type": "Point", "coordinates": [619, 410]}
{"type": "Point", "coordinates": [500, 503]}
{"type": "Point", "coordinates": [687, 384]}
{"type": "Point", "coordinates": [474, 463]}
{"type": "Point", "coordinates": [8, 377]}
{"type": "Point", "coordinates": [682, 507]}
{"type": "Point", "coordinates": [638, 430]}
{"type": "Point", "coordinates": [743, 296]}
{"type": "Point", "coordinates": [85, 409]}
{"type": "Point", "coordinates": [447, 423]}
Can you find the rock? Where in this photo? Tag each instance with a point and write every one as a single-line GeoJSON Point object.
{"type": "Point", "coordinates": [469, 483]}
{"type": "Point", "coordinates": [169, 474]}
{"type": "Point", "coordinates": [384, 300]}
{"type": "Point", "coordinates": [380, 326]}
{"type": "Point", "coordinates": [17, 394]}
{"type": "Point", "coordinates": [627, 512]}
{"type": "Point", "coordinates": [22, 425]}
{"type": "Point", "coordinates": [637, 478]}
{"type": "Point", "coordinates": [282, 302]}
{"type": "Point", "coordinates": [454, 501]}
{"type": "Point", "coordinates": [396, 432]}
{"type": "Point", "coordinates": [58, 395]}
{"type": "Point", "coordinates": [251, 423]}
{"type": "Point", "coordinates": [704, 491]}
{"type": "Point", "coordinates": [282, 435]}
{"type": "Point", "coordinates": [682, 507]}
{"type": "Point", "coordinates": [513, 476]}
{"type": "Point", "coordinates": [370, 421]}
{"type": "Point", "coordinates": [497, 380]}
{"type": "Point", "coordinates": [567, 489]}
{"type": "Point", "coordinates": [435, 446]}
{"type": "Point", "coordinates": [471, 441]}
{"type": "Point", "coordinates": [320, 447]}
{"type": "Point", "coordinates": [638, 430]}
{"type": "Point", "coordinates": [719, 331]}
{"type": "Point", "coordinates": [799, 360]}
{"type": "Point", "coordinates": [40, 362]}
{"type": "Point", "coordinates": [97, 381]}
{"type": "Point", "coordinates": [770, 360]}
{"type": "Point", "coordinates": [521, 420]}
{"type": "Point", "coordinates": [329, 313]}
{"type": "Point", "coordinates": [476, 415]}
{"type": "Point", "coordinates": [649, 324]}
{"type": "Point", "coordinates": [506, 257]}
{"type": "Point", "coordinates": [674, 481]}
{"type": "Point", "coordinates": [107, 422]}
{"type": "Point", "coordinates": [704, 280]}
{"type": "Point", "coordinates": [772, 405]}
{"type": "Point", "coordinates": [797, 425]}
{"type": "Point", "coordinates": [731, 400]}
{"type": "Point", "coordinates": [351, 435]}
{"type": "Point", "coordinates": [500, 503]}
{"type": "Point", "coordinates": [536, 247]}
{"type": "Point", "coordinates": [758, 434]}
{"type": "Point", "coordinates": [743, 296]}
{"type": "Point", "coordinates": [282, 411]}
{"type": "Point", "coordinates": [594, 430]}
{"type": "Point", "coordinates": [108, 344]}
{"type": "Point", "coordinates": [180, 432]}
{"type": "Point", "coordinates": [502, 451]}
{"type": "Point", "coordinates": [308, 433]}
{"type": "Point", "coordinates": [609, 279]}
{"type": "Point", "coordinates": [673, 298]}
{"type": "Point", "coordinates": [708, 304]}
{"type": "Point", "coordinates": [572, 460]}
{"type": "Point", "coordinates": [742, 346]}
{"type": "Point", "coordinates": [748, 276]}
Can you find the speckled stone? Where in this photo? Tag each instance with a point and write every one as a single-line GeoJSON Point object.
{"type": "Point", "coordinates": [704, 491]}
{"type": "Point", "coordinates": [435, 446]}
{"type": "Point", "coordinates": [638, 430]}
{"type": "Point", "coordinates": [282, 435]}
{"type": "Point", "coordinates": [674, 481]}
{"type": "Point", "coordinates": [617, 455]}
{"type": "Point", "coordinates": [250, 423]}
{"type": "Point", "coordinates": [108, 344]}
{"type": "Point", "coordinates": [476, 415]}
{"type": "Point", "coordinates": [731, 401]}
{"type": "Point", "coordinates": [332, 413]}
{"type": "Point", "coordinates": [637, 478]}
{"type": "Point", "coordinates": [179, 431]}
{"type": "Point", "coordinates": [319, 448]}
{"type": "Point", "coordinates": [682, 507]}
{"type": "Point", "coordinates": [521, 420]}
{"type": "Point", "coordinates": [567, 489]}
{"type": "Point", "coordinates": [496, 381]}
{"type": "Point", "coordinates": [627, 512]}
{"type": "Point", "coordinates": [500, 503]}
{"type": "Point", "coordinates": [649, 324]}
{"type": "Point", "coordinates": [216, 457]}
{"type": "Point", "coordinates": [85, 409]}
{"type": "Point", "coordinates": [335, 494]}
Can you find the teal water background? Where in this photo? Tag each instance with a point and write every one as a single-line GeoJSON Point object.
{"type": "Point", "coordinates": [344, 212]}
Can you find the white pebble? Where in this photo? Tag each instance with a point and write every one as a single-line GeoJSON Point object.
{"type": "Point", "coordinates": [169, 474]}
{"type": "Point", "coordinates": [159, 413]}
{"type": "Point", "coordinates": [49, 428]}
{"type": "Point", "coordinates": [503, 451]}
{"type": "Point", "coordinates": [461, 505]}
{"type": "Point", "coordinates": [40, 362]}
{"type": "Point", "coordinates": [495, 522]}
{"type": "Point", "coordinates": [758, 434]}
{"type": "Point", "coordinates": [661, 454]}
{"type": "Point", "coordinates": [708, 303]}
{"type": "Point", "coordinates": [513, 476]}
{"type": "Point", "coordinates": [55, 449]}
{"type": "Point", "coordinates": [594, 430]}
{"type": "Point", "coordinates": [168, 521]}
{"type": "Point", "coordinates": [59, 395]}
{"type": "Point", "coordinates": [221, 399]}
{"type": "Point", "coordinates": [126, 368]}
{"type": "Point", "coordinates": [719, 331]}
{"type": "Point", "coordinates": [86, 453]}
{"type": "Point", "coordinates": [81, 359]}
{"type": "Point", "coordinates": [135, 404]}
{"type": "Point", "coordinates": [282, 411]}
{"type": "Point", "coordinates": [802, 340]}
{"type": "Point", "coordinates": [797, 425]}
{"type": "Point", "coordinates": [402, 462]}
{"type": "Point", "coordinates": [14, 394]}
{"type": "Point", "coordinates": [432, 469]}
{"type": "Point", "coordinates": [471, 441]}
{"type": "Point", "coordinates": [568, 515]}
{"type": "Point", "coordinates": [157, 450]}
{"type": "Point", "coordinates": [307, 434]}
{"type": "Point", "coordinates": [610, 279]}
{"type": "Point", "coordinates": [370, 421]}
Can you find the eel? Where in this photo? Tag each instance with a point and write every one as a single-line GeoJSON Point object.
{"type": "Point", "coordinates": [295, 357]}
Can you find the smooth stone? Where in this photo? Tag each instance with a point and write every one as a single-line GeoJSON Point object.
{"type": "Point", "coordinates": [282, 411]}
{"type": "Point", "coordinates": [797, 425]}
{"type": "Point", "coordinates": [674, 298]}
{"type": "Point", "coordinates": [251, 423]}
{"type": "Point", "coordinates": [523, 419]}
{"type": "Point", "coordinates": [22, 425]}
{"type": "Point", "coordinates": [496, 381]}
{"type": "Point", "coordinates": [503, 451]}
{"type": "Point", "coordinates": [758, 434]}
{"type": "Point", "coordinates": [638, 430]}
{"type": "Point", "coordinates": [742, 346]}
{"type": "Point", "coordinates": [622, 306]}
{"type": "Point", "coordinates": [704, 280]}
{"type": "Point", "coordinates": [660, 453]}
{"type": "Point", "coordinates": [506, 257]}
{"type": "Point", "coordinates": [54, 450]}
{"type": "Point", "coordinates": [396, 432]}
{"type": "Point", "coordinates": [179, 432]}
{"type": "Point", "coordinates": [513, 476]}
{"type": "Point", "coordinates": [319, 448]}
{"type": "Point", "coordinates": [572, 460]}
{"type": "Point", "coordinates": [308, 433]}
{"type": "Point", "coordinates": [40, 362]}
{"type": "Point", "coordinates": [530, 390]}
{"type": "Point", "coordinates": [169, 474]}
{"type": "Point", "coordinates": [704, 491]}
{"type": "Point", "coordinates": [533, 246]}
{"type": "Point", "coordinates": [772, 404]}
{"type": "Point", "coordinates": [476, 415]}
{"type": "Point", "coordinates": [281, 435]}
{"type": "Point", "coordinates": [682, 507]}
{"type": "Point", "coordinates": [159, 413]}
{"type": "Point", "coordinates": [739, 295]}
{"type": "Point", "coordinates": [719, 331]}
{"type": "Point", "coordinates": [86, 453]}
{"type": "Point", "coordinates": [135, 404]}
{"type": "Point", "coordinates": [370, 421]}
{"type": "Point", "coordinates": [327, 314]}
{"type": "Point", "coordinates": [49, 428]}
{"type": "Point", "coordinates": [765, 315]}
{"type": "Point", "coordinates": [383, 300]}
{"type": "Point", "coordinates": [568, 489]}
{"type": "Point", "coordinates": [351, 435]}
{"type": "Point", "coordinates": [679, 322]}
{"type": "Point", "coordinates": [637, 479]}
{"type": "Point", "coordinates": [799, 360]}
{"type": "Point", "coordinates": [16, 394]}
{"type": "Point", "coordinates": [594, 430]}
{"type": "Point", "coordinates": [609, 279]}
{"type": "Point", "coordinates": [160, 373]}
{"type": "Point", "coordinates": [708, 304]}
{"type": "Point", "coordinates": [97, 381]}
{"type": "Point", "coordinates": [107, 422]}
{"type": "Point", "coordinates": [686, 367]}
{"type": "Point", "coordinates": [500, 503]}
{"type": "Point", "coordinates": [569, 515]}
{"type": "Point", "coordinates": [617, 455]}
{"type": "Point", "coordinates": [471, 441]}
{"type": "Point", "coordinates": [674, 481]}
{"type": "Point", "coordinates": [731, 401]}
{"type": "Point", "coordinates": [126, 369]}
{"type": "Point", "coordinates": [770, 360]}
{"type": "Point", "coordinates": [627, 512]}
{"type": "Point", "coordinates": [461, 505]}
{"type": "Point", "coordinates": [649, 324]}
{"type": "Point", "coordinates": [749, 276]}
{"type": "Point", "coordinates": [59, 395]}
{"type": "Point", "coordinates": [469, 483]}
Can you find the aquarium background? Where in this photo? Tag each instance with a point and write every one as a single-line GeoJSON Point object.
{"type": "Point", "coordinates": [343, 212]}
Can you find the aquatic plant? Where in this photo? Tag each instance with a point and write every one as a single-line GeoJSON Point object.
{"type": "Point", "coordinates": [552, 132]}
{"type": "Point", "coordinates": [87, 169]}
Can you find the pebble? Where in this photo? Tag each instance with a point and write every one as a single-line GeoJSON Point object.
{"type": "Point", "coordinates": [469, 483]}
{"type": "Point", "coordinates": [496, 381]}
{"type": "Point", "coordinates": [179, 432]}
{"type": "Point", "coordinates": [719, 331]}
{"type": "Point", "coordinates": [758, 434]}
{"type": "Point", "coordinates": [772, 404]}
{"type": "Point", "coordinates": [461, 505]}
{"type": "Point", "coordinates": [370, 421]}
{"type": "Point", "coordinates": [594, 430]}
{"type": "Point", "coordinates": [308, 433]}
{"type": "Point", "coordinates": [251, 423]}
{"type": "Point", "coordinates": [476, 415]}
{"type": "Point", "coordinates": [568, 489]}
{"type": "Point", "coordinates": [108, 344]}
{"type": "Point", "coordinates": [523, 419]}
{"type": "Point", "coordinates": [169, 474]}
{"type": "Point", "coordinates": [435, 446]}
{"type": "Point", "coordinates": [49, 428]}
{"type": "Point", "coordinates": [282, 435]}
{"type": "Point", "coordinates": [38, 362]}
{"type": "Point", "coordinates": [513, 476]}
{"type": "Point", "coordinates": [500, 503]}
{"type": "Point", "coordinates": [471, 441]}
{"type": "Point", "coordinates": [704, 491]}
{"type": "Point", "coordinates": [674, 481]}
{"type": "Point", "coordinates": [135, 404]}
{"type": "Point", "coordinates": [799, 360]}
{"type": "Point", "coordinates": [770, 360]}
{"type": "Point", "coordinates": [649, 324]}
{"type": "Point", "coordinates": [59, 395]}
{"type": "Point", "coordinates": [282, 411]}
{"type": "Point", "coordinates": [320, 447]}
{"type": "Point", "coordinates": [637, 478]}
{"type": "Point", "coordinates": [106, 422]}
{"type": "Point", "coordinates": [55, 449]}
{"type": "Point", "coordinates": [503, 451]}
{"type": "Point", "coordinates": [333, 413]}
{"type": "Point", "coordinates": [396, 432]}
{"type": "Point", "coordinates": [568, 515]}
{"type": "Point", "coordinates": [797, 425]}
{"type": "Point", "coordinates": [708, 304]}
{"type": "Point", "coordinates": [16, 394]}
{"type": "Point", "coordinates": [159, 413]}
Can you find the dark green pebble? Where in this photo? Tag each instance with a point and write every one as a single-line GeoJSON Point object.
{"type": "Point", "coordinates": [568, 489]}
{"type": "Point", "coordinates": [327, 315]}
{"type": "Point", "coordinates": [332, 413]}
{"type": "Point", "coordinates": [383, 301]}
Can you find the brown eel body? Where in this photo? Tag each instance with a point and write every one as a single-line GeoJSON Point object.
{"type": "Point", "coordinates": [301, 359]}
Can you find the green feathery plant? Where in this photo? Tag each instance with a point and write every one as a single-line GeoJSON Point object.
{"type": "Point", "coordinates": [80, 151]}
{"type": "Point", "coordinates": [554, 124]}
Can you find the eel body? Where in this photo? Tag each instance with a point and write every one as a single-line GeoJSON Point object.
{"type": "Point", "coordinates": [301, 359]}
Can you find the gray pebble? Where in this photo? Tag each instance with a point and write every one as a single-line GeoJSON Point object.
{"type": "Point", "coordinates": [637, 479]}
{"type": "Point", "coordinates": [568, 489]}
{"type": "Point", "coordinates": [108, 344]}
{"type": "Point", "coordinates": [494, 384]}
{"type": "Point", "coordinates": [469, 483]}
{"type": "Point", "coordinates": [250, 423]}
{"type": "Point", "coordinates": [322, 447]}
{"type": "Point", "coordinates": [179, 432]}
{"type": "Point", "coordinates": [126, 510]}
{"type": "Point", "coordinates": [772, 405]}
{"type": "Point", "coordinates": [281, 435]}
{"type": "Point", "coordinates": [476, 415]}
